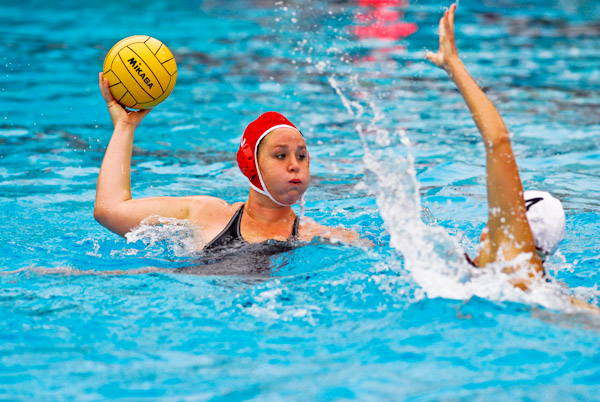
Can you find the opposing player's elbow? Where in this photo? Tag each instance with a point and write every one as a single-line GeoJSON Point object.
{"type": "Point", "coordinates": [501, 138]}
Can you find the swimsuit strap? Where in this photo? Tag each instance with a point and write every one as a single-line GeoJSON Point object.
{"type": "Point", "coordinates": [238, 220]}
{"type": "Point", "coordinates": [470, 261]}
{"type": "Point", "coordinates": [231, 232]}
{"type": "Point", "coordinates": [294, 235]}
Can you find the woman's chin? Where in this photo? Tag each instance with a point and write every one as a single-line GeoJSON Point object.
{"type": "Point", "coordinates": [290, 198]}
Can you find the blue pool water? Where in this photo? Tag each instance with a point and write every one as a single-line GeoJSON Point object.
{"type": "Point", "coordinates": [86, 315]}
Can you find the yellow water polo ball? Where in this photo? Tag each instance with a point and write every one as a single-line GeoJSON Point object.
{"type": "Point", "coordinates": [141, 71]}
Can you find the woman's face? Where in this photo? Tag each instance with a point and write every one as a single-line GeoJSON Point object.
{"type": "Point", "coordinates": [283, 164]}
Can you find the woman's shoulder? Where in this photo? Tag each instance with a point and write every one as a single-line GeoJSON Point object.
{"type": "Point", "coordinates": [212, 202]}
{"type": "Point", "coordinates": [205, 207]}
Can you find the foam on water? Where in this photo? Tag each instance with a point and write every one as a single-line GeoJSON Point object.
{"type": "Point", "coordinates": [175, 236]}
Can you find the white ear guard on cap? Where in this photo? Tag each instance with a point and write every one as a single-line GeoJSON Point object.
{"type": "Point", "coordinates": [547, 220]}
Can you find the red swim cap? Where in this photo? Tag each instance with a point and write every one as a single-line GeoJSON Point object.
{"type": "Point", "coordinates": [253, 135]}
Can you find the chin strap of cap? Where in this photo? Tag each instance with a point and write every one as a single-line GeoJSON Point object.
{"type": "Point", "coordinates": [257, 170]}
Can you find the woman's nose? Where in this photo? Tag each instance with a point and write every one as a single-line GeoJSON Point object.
{"type": "Point", "coordinates": [294, 165]}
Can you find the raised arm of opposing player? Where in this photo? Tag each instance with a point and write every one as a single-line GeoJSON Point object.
{"type": "Point", "coordinates": [509, 233]}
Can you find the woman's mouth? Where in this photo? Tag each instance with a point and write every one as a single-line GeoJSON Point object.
{"type": "Point", "coordinates": [295, 181]}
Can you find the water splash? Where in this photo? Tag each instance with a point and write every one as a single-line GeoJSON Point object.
{"type": "Point", "coordinates": [355, 109]}
{"type": "Point", "coordinates": [430, 254]}
{"type": "Point", "coordinates": [302, 204]}
{"type": "Point", "coordinates": [176, 237]}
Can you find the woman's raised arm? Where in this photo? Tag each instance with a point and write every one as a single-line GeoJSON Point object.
{"type": "Point", "coordinates": [114, 207]}
{"type": "Point", "coordinates": [509, 233]}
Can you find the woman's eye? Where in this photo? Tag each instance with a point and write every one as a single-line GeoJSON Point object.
{"type": "Point", "coordinates": [302, 157]}
{"type": "Point", "coordinates": [280, 156]}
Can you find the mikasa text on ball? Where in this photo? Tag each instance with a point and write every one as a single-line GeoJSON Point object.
{"type": "Point", "coordinates": [141, 71]}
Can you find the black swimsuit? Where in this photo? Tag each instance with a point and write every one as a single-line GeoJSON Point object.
{"type": "Point", "coordinates": [231, 234]}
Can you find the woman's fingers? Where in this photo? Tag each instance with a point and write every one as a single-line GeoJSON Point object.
{"type": "Point", "coordinates": [435, 59]}
{"type": "Point", "coordinates": [451, 17]}
{"type": "Point", "coordinates": [136, 118]}
{"type": "Point", "coordinates": [442, 27]}
{"type": "Point", "coordinates": [105, 89]}
{"type": "Point", "coordinates": [432, 57]}
{"type": "Point", "coordinates": [446, 38]}
{"type": "Point", "coordinates": [101, 83]}
{"type": "Point", "coordinates": [447, 30]}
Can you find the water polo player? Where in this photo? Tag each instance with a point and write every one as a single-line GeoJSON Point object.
{"type": "Point", "coordinates": [523, 227]}
{"type": "Point", "coordinates": [272, 155]}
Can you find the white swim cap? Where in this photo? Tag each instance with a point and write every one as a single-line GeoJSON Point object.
{"type": "Point", "coordinates": [546, 218]}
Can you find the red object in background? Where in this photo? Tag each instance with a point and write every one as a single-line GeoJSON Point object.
{"type": "Point", "coordinates": [381, 31]}
{"type": "Point", "coordinates": [382, 3]}
{"type": "Point", "coordinates": [379, 14]}
{"type": "Point", "coordinates": [383, 22]}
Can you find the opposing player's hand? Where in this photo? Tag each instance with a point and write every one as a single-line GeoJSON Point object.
{"type": "Point", "coordinates": [447, 50]}
{"type": "Point", "coordinates": [118, 114]}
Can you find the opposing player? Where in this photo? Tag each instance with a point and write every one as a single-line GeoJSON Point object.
{"type": "Point", "coordinates": [523, 227]}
